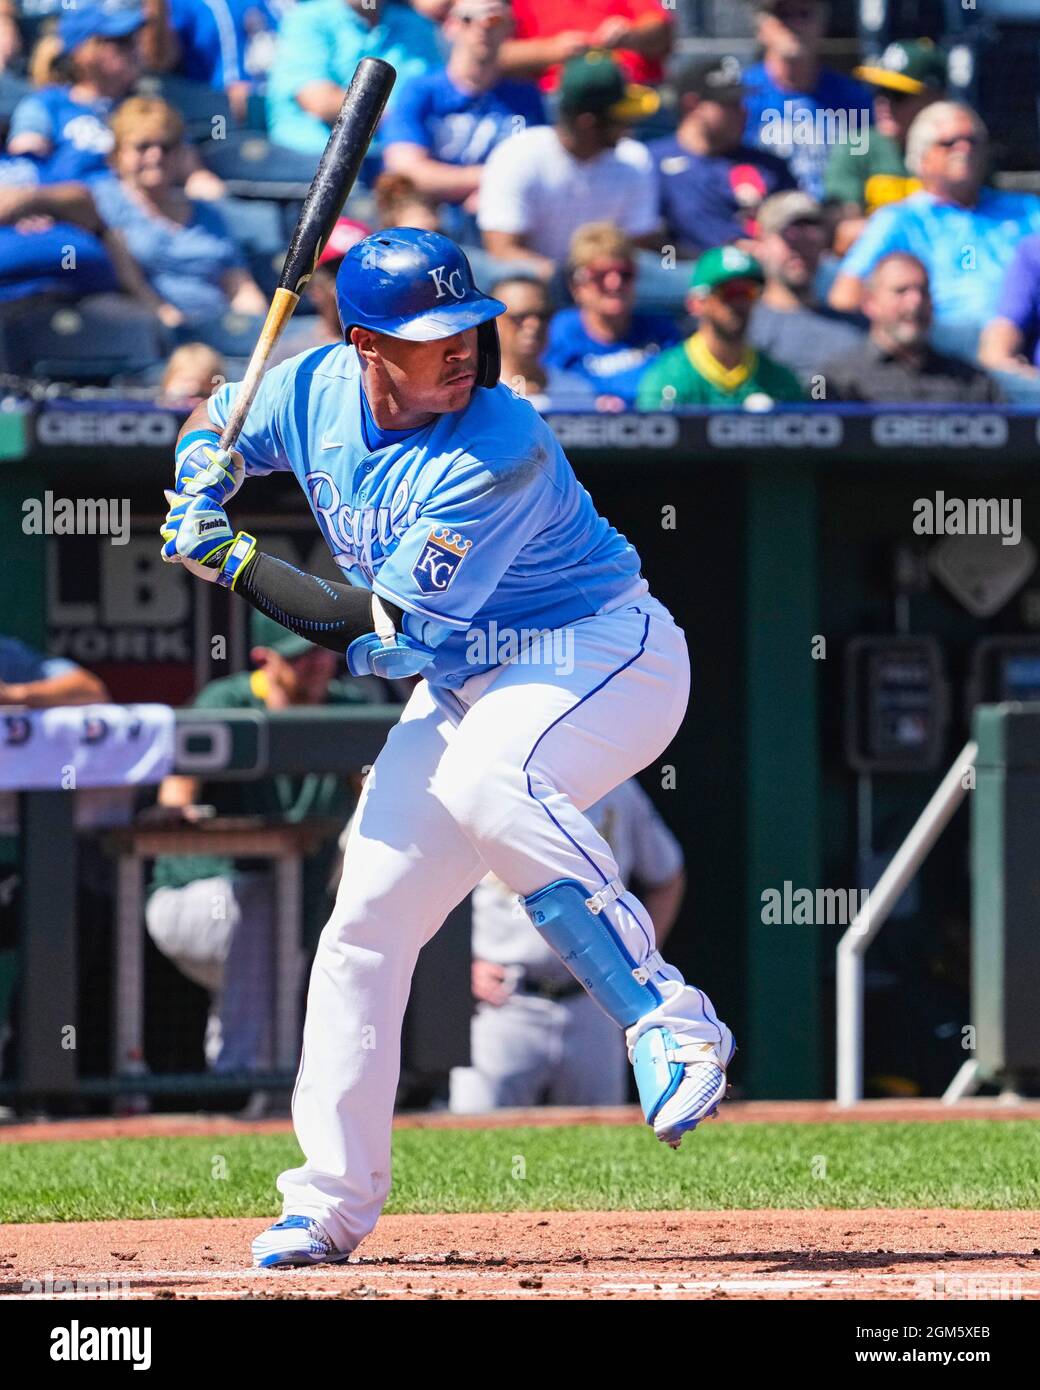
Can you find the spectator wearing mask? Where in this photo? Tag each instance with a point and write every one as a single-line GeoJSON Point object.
{"type": "Point", "coordinates": [1010, 342]}
{"type": "Point", "coordinates": [541, 185]}
{"type": "Point", "coordinates": [65, 123]}
{"type": "Point", "coordinates": [446, 123]}
{"type": "Point", "coordinates": [522, 332]}
{"type": "Point", "coordinates": [797, 108]}
{"type": "Point", "coordinates": [788, 322]}
{"type": "Point", "coordinates": [710, 182]}
{"type": "Point", "coordinates": [320, 44]}
{"type": "Point", "coordinates": [213, 917]}
{"type": "Point", "coordinates": [962, 232]}
{"type": "Point", "coordinates": [307, 331]}
{"type": "Point", "coordinates": [189, 268]}
{"type": "Point", "coordinates": [603, 339]}
{"type": "Point", "coordinates": [536, 1036]}
{"type": "Point", "coordinates": [717, 366]}
{"type": "Point", "coordinates": [639, 32]}
{"type": "Point", "coordinates": [896, 363]}
{"type": "Point", "coordinates": [227, 44]}
{"type": "Point", "coordinates": [908, 76]}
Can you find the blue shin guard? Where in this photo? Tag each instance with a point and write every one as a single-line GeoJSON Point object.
{"type": "Point", "coordinates": [572, 921]}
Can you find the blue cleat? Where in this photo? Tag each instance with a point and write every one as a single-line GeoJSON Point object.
{"type": "Point", "coordinates": [294, 1241]}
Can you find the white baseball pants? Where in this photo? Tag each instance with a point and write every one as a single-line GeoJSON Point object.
{"type": "Point", "coordinates": [496, 778]}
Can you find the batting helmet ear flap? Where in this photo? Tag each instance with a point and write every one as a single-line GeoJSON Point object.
{"type": "Point", "coordinates": [489, 354]}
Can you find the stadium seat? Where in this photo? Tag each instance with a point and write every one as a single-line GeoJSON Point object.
{"type": "Point", "coordinates": [232, 335]}
{"type": "Point", "coordinates": [252, 167]}
{"type": "Point", "coordinates": [199, 104]}
{"type": "Point", "coordinates": [12, 89]}
{"type": "Point", "coordinates": [90, 341]}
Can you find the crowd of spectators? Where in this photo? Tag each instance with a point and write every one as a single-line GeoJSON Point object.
{"type": "Point", "coordinates": [666, 228]}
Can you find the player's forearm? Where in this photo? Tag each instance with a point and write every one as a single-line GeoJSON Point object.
{"type": "Point", "coordinates": [324, 611]}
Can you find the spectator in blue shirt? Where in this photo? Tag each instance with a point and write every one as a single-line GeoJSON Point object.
{"type": "Point", "coordinates": [964, 233]}
{"type": "Point", "coordinates": [1011, 340]}
{"type": "Point", "coordinates": [226, 44]}
{"type": "Point", "coordinates": [446, 123]}
{"type": "Point", "coordinates": [522, 332]}
{"type": "Point", "coordinates": [320, 44]}
{"type": "Point", "coordinates": [798, 109]}
{"type": "Point", "coordinates": [66, 122]}
{"type": "Point", "coordinates": [710, 182]}
{"type": "Point", "coordinates": [190, 269]}
{"type": "Point", "coordinates": [43, 226]}
{"type": "Point", "coordinates": [603, 338]}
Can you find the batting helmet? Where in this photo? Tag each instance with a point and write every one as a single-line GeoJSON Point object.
{"type": "Point", "coordinates": [417, 285]}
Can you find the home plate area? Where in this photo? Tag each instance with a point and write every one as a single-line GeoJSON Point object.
{"type": "Point", "coordinates": [815, 1254]}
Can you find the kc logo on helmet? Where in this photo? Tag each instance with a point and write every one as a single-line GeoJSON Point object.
{"type": "Point", "coordinates": [446, 283]}
{"type": "Point", "coordinates": [439, 560]}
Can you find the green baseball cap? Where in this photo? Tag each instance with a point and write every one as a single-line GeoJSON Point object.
{"type": "Point", "coordinates": [722, 264]}
{"type": "Point", "coordinates": [911, 66]}
{"type": "Point", "coordinates": [595, 83]}
{"type": "Point", "coordinates": [265, 632]}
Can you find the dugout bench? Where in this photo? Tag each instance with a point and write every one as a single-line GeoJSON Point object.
{"type": "Point", "coordinates": [232, 745]}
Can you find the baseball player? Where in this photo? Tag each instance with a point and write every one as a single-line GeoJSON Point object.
{"type": "Point", "coordinates": [475, 560]}
{"type": "Point", "coordinates": [536, 1035]}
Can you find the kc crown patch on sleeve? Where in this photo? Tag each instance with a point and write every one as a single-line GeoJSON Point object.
{"type": "Point", "coordinates": [439, 560]}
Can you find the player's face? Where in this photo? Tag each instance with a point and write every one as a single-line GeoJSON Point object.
{"type": "Point", "coordinates": [434, 378]}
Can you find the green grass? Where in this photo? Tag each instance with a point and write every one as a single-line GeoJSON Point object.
{"type": "Point", "coordinates": [965, 1163]}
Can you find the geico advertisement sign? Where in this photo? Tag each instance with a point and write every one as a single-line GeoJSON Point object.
{"type": "Point", "coordinates": [941, 430]}
{"type": "Point", "coordinates": [615, 431]}
{"type": "Point", "coordinates": [120, 429]}
{"type": "Point", "coordinates": [782, 431]}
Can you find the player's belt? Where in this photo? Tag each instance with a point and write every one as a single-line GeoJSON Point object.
{"type": "Point", "coordinates": [548, 989]}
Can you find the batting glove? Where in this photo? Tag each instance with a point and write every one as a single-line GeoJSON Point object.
{"type": "Point", "coordinates": [198, 534]}
{"type": "Point", "coordinates": [204, 469]}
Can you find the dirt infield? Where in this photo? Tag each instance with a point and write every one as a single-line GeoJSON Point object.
{"type": "Point", "coordinates": [814, 1254]}
{"type": "Point", "coordinates": [555, 1255]}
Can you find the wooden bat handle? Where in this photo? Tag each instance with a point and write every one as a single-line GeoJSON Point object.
{"type": "Point", "coordinates": [278, 315]}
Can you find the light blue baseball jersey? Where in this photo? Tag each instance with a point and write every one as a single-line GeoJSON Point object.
{"type": "Point", "coordinates": [475, 525]}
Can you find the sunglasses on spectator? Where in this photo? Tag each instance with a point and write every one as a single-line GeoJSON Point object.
{"type": "Point", "coordinates": [972, 140]}
{"type": "Point", "coordinates": [522, 315]}
{"type": "Point", "coordinates": [785, 12]}
{"type": "Point", "coordinates": [141, 146]}
{"type": "Point", "coordinates": [736, 291]}
{"type": "Point", "coordinates": [625, 273]}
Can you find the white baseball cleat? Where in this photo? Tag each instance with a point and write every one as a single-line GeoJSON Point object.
{"type": "Point", "coordinates": [700, 1092]}
{"type": "Point", "coordinates": [680, 1084]}
{"type": "Point", "coordinates": [295, 1241]}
